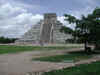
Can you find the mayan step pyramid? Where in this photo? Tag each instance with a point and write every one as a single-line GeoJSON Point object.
{"type": "Point", "coordinates": [45, 31]}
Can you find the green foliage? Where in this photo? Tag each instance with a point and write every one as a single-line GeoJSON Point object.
{"type": "Point", "coordinates": [69, 41]}
{"type": "Point", "coordinates": [70, 18]}
{"type": "Point", "coordinates": [4, 40]}
{"type": "Point", "coordinates": [66, 30]}
{"type": "Point", "coordinates": [96, 12]}
{"type": "Point", "coordinates": [84, 69]}
{"type": "Point", "coordinates": [88, 27]}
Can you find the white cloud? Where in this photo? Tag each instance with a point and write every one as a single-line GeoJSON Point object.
{"type": "Point", "coordinates": [61, 19]}
{"type": "Point", "coordinates": [7, 10]}
{"type": "Point", "coordinates": [15, 21]}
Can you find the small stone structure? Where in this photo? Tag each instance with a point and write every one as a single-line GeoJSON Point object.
{"type": "Point", "coordinates": [45, 31]}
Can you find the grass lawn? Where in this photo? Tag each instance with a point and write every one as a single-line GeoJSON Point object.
{"type": "Point", "coordinates": [69, 57]}
{"type": "Point", "coordinates": [84, 69]}
{"type": "Point", "coordinates": [13, 49]}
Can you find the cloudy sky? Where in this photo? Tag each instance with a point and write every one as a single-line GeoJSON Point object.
{"type": "Point", "coordinates": [18, 16]}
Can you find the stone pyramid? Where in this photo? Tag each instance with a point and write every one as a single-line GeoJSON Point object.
{"type": "Point", "coordinates": [45, 31]}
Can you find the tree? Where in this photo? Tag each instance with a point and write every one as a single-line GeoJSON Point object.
{"type": "Point", "coordinates": [88, 27]}
{"type": "Point", "coordinates": [5, 40]}
{"type": "Point", "coordinates": [66, 30]}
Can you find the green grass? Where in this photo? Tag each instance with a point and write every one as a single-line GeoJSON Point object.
{"type": "Point", "coordinates": [83, 69]}
{"type": "Point", "coordinates": [69, 57]}
{"type": "Point", "coordinates": [13, 49]}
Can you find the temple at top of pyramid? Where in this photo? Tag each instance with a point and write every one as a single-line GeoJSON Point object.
{"type": "Point", "coordinates": [45, 31]}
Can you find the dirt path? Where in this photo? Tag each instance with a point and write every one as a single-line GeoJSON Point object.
{"type": "Point", "coordinates": [20, 63]}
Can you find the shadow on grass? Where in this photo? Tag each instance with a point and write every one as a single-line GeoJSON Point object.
{"type": "Point", "coordinates": [77, 52]}
{"type": "Point", "coordinates": [84, 53]}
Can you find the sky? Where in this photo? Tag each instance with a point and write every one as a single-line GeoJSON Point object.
{"type": "Point", "coordinates": [18, 16]}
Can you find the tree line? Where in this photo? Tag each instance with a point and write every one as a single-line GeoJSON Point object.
{"type": "Point", "coordinates": [5, 40]}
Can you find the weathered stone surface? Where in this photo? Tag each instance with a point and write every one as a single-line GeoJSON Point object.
{"type": "Point", "coordinates": [46, 31]}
